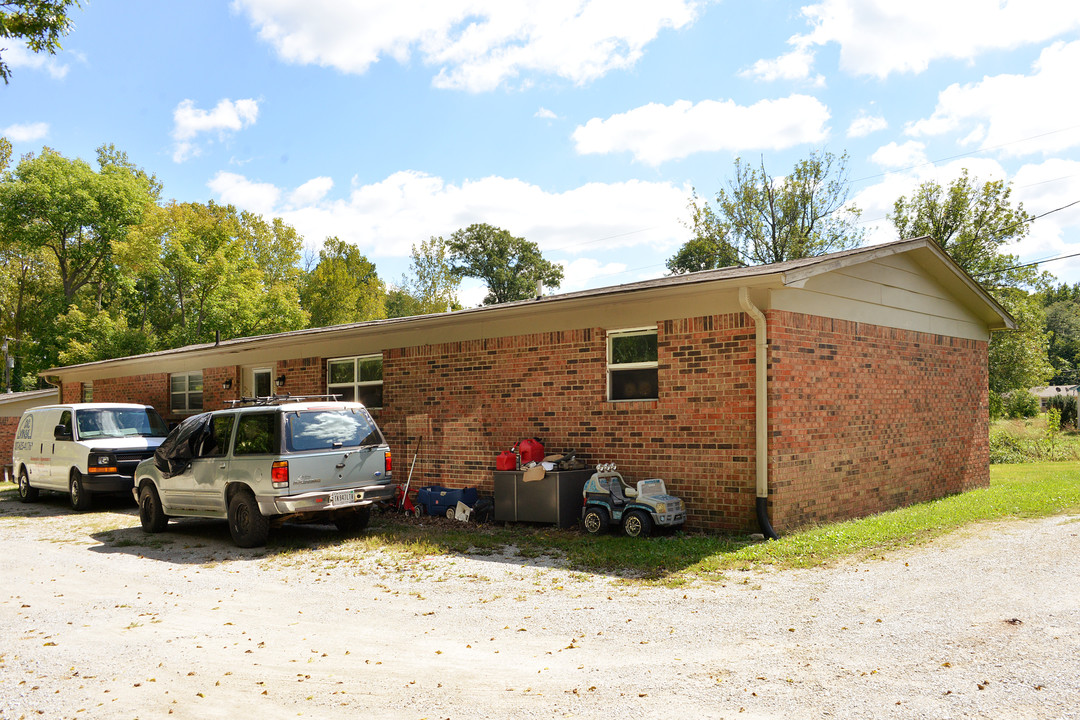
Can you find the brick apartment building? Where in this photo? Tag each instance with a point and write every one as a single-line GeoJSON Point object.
{"type": "Point", "coordinates": [874, 393]}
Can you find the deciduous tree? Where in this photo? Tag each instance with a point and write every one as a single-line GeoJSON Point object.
{"type": "Point", "coordinates": [761, 218]}
{"type": "Point", "coordinates": [38, 23]}
{"type": "Point", "coordinates": [343, 287]}
{"type": "Point", "coordinates": [509, 266]}
{"type": "Point", "coordinates": [973, 222]}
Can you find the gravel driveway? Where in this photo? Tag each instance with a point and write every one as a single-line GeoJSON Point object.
{"type": "Point", "coordinates": [98, 620]}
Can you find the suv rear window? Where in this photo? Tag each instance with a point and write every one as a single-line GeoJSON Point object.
{"type": "Point", "coordinates": [329, 429]}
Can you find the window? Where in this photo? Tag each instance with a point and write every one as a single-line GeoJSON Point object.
{"type": "Point", "coordinates": [358, 378]}
{"type": "Point", "coordinates": [88, 392]}
{"type": "Point", "coordinates": [632, 365]}
{"type": "Point", "coordinates": [257, 434]}
{"type": "Point", "coordinates": [65, 421]}
{"type": "Point", "coordinates": [263, 382]}
{"type": "Point", "coordinates": [329, 429]}
{"type": "Point", "coordinates": [186, 391]}
{"type": "Point", "coordinates": [215, 442]}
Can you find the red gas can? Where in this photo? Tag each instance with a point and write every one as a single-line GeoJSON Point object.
{"type": "Point", "coordinates": [507, 460]}
{"type": "Point", "coordinates": [531, 450]}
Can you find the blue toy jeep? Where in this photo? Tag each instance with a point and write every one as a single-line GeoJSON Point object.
{"type": "Point", "coordinates": [609, 500]}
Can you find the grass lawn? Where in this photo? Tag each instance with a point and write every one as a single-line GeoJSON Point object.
{"type": "Point", "coordinates": [1015, 491]}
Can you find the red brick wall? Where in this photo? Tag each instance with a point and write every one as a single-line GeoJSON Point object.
{"type": "Point", "coordinates": [8, 428]}
{"type": "Point", "coordinates": [472, 400]}
{"type": "Point", "coordinates": [866, 418]}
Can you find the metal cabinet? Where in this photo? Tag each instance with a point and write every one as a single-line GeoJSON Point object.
{"type": "Point", "coordinates": [554, 499]}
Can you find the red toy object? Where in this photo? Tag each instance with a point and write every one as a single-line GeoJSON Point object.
{"type": "Point", "coordinates": [404, 503]}
{"type": "Point", "coordinates": [531, 450]}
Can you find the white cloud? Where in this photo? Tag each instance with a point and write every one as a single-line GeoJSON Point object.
{"type": "Point", "coordinates": [581, 273]}
{"type": "Point", "coordinates": [16, 55]}
{"type": "Point", "coordinates": [880, 37]}
{"type": "Point", "coordinates": [656, 133]}
{"type": "Point", "coordinates": [545, 114]}
{"type": "Point", "coordinates": [907, 155]}
{"type": "Point", "coordinates": [1042, 188]}
{"type": "Point", "coordinates": [311, 192]}
{"type": "Point", "coordinates": [233, 189]}
{"type": "Point", "coordinates": [476, 46]}
{"type": "Point", "coordinates": [384, 219]}
{"type": "Point", "coordinates": [1003, 110]}
{"type": "Point", "coordinates": [865, 125]}
{"type": "Point", "coordinates": [26, 132]}
{"type": "Point", "coordinates": [189, 122]}
{"type": "Point", "coordinates": [794, 65]}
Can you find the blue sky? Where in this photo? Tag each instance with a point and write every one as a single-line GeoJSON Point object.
{"type": "Point", "coordinates": [582, 125]}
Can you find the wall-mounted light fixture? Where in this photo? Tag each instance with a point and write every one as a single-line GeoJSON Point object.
{"type": "Point", "coordinates": [227, 385]}
{"type": "Point", "coordinates": [280, 382]}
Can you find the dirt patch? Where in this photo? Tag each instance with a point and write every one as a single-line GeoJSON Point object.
{"type": "Point", "coordinates": [99, 620]}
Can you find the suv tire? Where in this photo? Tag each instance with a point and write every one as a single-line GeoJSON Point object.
{"type": "Point", "coordinates": [151, 515]}
{"type": "Point", "coordinates": [248, 526]}
{"type": "Point", "coordinates": [353, 521]}
{"type": "Point", "coordinates": [27, 494]}
{"type": "Point", "coordinates": [80, 498]}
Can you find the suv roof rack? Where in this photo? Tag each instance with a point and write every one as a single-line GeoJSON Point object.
{"type": "Point", "coordinates": [278, 399]}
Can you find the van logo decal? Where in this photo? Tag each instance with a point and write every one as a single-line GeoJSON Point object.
{"type": "Point", "coordinates": [26, 430]}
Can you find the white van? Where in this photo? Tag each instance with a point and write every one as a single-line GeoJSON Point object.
{"type": "Point", "coordinates": [83, 448]}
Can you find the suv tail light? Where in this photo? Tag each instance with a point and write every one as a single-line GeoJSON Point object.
{"type": "Point", "coordinates": [279, 474]}
{"type": "Point", "coordinates": [386, 457]}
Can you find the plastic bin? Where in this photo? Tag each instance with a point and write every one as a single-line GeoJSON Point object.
{"type": "Point", "coordinates": [437, 500]}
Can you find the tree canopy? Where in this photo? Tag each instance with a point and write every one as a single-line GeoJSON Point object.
{"type": "Point", "coordinates": [343, 287]}
{"type": "Point", "coordinates": [509, 266]}
{"type": "Point", "coordinates": [38, 23]}
{"type": "Point", "coordinates": [972, 222]}
{"type": "Point", "coordinates": [760, 218]}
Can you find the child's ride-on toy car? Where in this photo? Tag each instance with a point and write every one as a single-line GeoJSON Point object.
{"type": "Point", "coordinates": [609, 500]}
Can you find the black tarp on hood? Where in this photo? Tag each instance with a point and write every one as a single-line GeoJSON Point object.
{"type": "Point", "coordinates": [174, 454]}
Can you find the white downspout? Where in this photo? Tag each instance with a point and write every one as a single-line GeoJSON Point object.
{"type": "Point", "coordinates": [761, 412]}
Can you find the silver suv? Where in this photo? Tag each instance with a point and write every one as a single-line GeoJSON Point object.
{"type": "Point", "coordinates": [268, 460]}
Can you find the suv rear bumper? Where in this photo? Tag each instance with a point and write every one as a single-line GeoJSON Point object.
{"type": "Point", "coordinates": [270, 505]}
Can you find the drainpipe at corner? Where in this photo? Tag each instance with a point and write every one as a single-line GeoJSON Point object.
{"type": "Point", "coordinates": [761, 414]}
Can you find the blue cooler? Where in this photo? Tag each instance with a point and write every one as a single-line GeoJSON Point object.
{"type": "Point", "coordinates": [437, 500]}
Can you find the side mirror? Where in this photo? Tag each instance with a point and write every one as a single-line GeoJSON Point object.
{"type": "Point", "coordinates": [61, 432]}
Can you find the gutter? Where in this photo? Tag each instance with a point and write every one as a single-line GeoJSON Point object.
{"type": "Point", "coordinates": [761, 413]}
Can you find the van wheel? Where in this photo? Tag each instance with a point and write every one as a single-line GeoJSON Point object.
{"type": "Point", "coordinates": [353, 521]}
{"type": "Point", "coordinates": [27, 494]}
{"type": "Point", "coordinates": [637, 524]}
{"type": "Point", "coordinates": [80, 498]}
{"type": "Point", "coordinates": [151, 514]}
{"type": "Point", "coordinates": [248, 526]}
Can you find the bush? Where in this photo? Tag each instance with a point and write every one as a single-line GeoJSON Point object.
{"type": "Point", "coordinates": [997, 406]}
{"type": "Point", "coordinates": [1021, 404]}
{"type": "Point", "coordinates": [1066, 405]}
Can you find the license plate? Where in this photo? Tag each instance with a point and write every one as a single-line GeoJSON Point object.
{"type": "Point", "coordinates": [341, 498]}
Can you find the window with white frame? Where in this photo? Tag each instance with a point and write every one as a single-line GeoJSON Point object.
{"type": "Point", "coordinates": [633, 372]}
{"type": "Point", "coordinates": [356, 379]}
{"type": "Point", "coordinates": [186, 391]}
